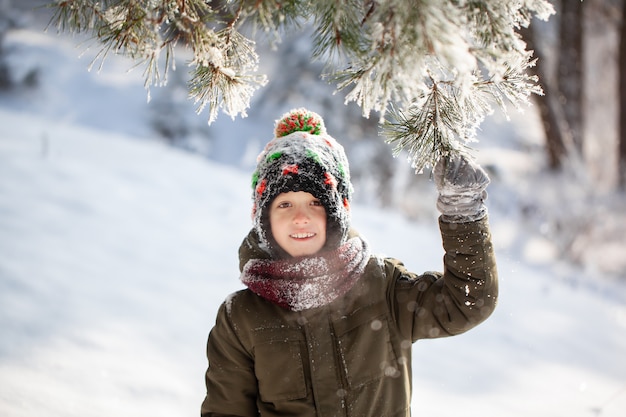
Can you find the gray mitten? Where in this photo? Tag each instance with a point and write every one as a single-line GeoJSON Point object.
{"type": "Point", "coordinates": [461, 184]}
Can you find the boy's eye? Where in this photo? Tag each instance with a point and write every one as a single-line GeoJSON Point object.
{"type": "Point", "coordinates": [316, 203]}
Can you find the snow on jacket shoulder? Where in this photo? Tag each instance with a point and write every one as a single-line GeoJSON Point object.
{"type": "Point", "coordinates": [351, 357]}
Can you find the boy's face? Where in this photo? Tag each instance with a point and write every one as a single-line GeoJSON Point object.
{"type": "Point", "coordinates": [298, 223]}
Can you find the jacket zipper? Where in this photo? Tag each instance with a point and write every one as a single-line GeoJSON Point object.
{"type": "Point", "coordinates": [340, 366]}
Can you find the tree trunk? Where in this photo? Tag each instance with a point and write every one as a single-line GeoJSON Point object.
{"type": "Point", "coordinates": [554, 123]}
{"type": "Point", "coordinates": [570, 69]}
{"type": "Point", "coordinates": [622, 102]}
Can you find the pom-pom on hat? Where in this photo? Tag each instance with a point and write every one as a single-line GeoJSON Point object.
{"type": "Point", "coordinates": [302, 157]}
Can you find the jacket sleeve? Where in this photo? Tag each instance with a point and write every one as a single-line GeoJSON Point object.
{"type": "Point", "coordinates": [230, 380]}
{"type": "Point", "coordinates": [439, 304]}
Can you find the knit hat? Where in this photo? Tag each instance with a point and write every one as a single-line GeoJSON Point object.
{"type": "Point", "coordinates": [302, 157]}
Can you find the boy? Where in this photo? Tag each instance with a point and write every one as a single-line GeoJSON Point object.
{"type": "Point", "coordinates": [325, 328]}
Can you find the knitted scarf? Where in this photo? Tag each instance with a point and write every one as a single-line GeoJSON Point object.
{"type": "Point", "coordinates": [307, 282]}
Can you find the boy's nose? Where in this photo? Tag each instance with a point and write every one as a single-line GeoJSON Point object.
{"type": "Point", "coordinates": [301, 217]}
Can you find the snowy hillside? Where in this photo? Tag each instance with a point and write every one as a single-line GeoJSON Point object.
{"type": "Point", "coordinates": [115, 254]}
{"type": "Point", "coordinates": [116, 251]}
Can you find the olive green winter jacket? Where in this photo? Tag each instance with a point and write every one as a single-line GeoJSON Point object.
{"type": "Point", "coordinates": [351, 357]}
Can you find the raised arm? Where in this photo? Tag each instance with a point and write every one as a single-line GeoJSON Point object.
{"type": "Point", "coordinates": [440, 304]}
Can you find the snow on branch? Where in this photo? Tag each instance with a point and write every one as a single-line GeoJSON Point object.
{"type": "Point", "coordinates": [431, 66]}
{"type": "Point", "coordinates": [222, 78]}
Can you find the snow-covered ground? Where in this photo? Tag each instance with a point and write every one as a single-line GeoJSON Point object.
{"type": "Point", "coordinates": [116, 251]}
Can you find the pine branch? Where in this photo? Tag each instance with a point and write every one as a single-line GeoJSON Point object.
{"type": "Point", "coordinates": [338, 29]}
{"type": "Point", "coordinates": [436, 65]}
{"type": "Point", "coordinates": [75, 16]}
{"type": "Point", "coordinates": [432, 128]}
{"type": "Point", "coordinates": [222, 76]}
{"type": "Point", "coordinates": [445, 121]}
{"type": "Point", "coordinates": [273, 16]}
{"type": "Point", "coordinates": [515, 84]}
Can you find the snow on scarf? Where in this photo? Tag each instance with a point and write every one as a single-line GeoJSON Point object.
{"type": "Point", "coordinates": [307, 282]}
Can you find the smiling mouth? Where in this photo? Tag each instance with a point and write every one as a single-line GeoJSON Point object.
{"type": "Point", "coordinates": [302, 235]}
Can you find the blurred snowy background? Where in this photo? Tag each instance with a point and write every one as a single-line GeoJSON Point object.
{"type": "Point", "coordinates": [120, 221]}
